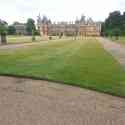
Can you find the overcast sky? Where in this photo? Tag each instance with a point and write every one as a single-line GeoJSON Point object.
{"type": "Point", "coordinates": [58, 10]}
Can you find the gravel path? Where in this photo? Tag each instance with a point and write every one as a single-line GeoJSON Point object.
{"type": "Point", "coordinates": [24, 45]}
{"type": "Point", "coordinates": [36, 102]}
{"type": "Point", "coordinates": [115, 49]}
{"type": "Point", "coordinates": [21, 45]}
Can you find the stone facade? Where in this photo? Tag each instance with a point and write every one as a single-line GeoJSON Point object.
{"type": "Point", "coordinates": [20, 28]}
{"type": "Point", "coordinates": [89, 30]}
{"type": "Point", "coordinates": [80, 27]}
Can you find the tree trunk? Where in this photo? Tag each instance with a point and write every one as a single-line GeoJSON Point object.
{"type": "Point", "coordinates": [3, 39]}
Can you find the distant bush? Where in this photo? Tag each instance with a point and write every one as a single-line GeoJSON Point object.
{"type": "Point", "coordinates": [37, 33]}
{"type": "Point", "coordinates": [50, 38]}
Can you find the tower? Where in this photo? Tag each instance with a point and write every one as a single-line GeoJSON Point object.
{"type": "Point", "coordinates": [39, 21]}
{"type": "Point", "coordinates": [82, 20]}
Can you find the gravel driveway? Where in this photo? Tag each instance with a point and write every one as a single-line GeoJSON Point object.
{"type": "Point", "coordinates": [36, 102]}
{"type": "Point", "coordinates": [115, 49]}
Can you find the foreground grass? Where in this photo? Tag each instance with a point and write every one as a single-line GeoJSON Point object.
{"type": "Point", "coordinates": [82, 63]}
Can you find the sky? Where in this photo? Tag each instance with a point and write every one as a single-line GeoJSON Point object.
{"type": "Point", "coordinates": [58, 10]}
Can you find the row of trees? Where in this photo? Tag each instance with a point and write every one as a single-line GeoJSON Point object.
{"type": "Point", "coordinates": [30, 27]}
{"type": "Point", "coordinates": [114, 25]}
{"type": "Point", "coordinates": [11, 30]}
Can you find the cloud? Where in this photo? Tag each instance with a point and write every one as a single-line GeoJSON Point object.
{"type": "Point", "coordinates": [20, 10]}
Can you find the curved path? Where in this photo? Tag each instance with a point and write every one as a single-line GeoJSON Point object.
{"type": "Point", "coordinates": [36, 102]}
{"type": "Point", "coordinates": [20, 45]}
{"type": "Point", "coordinates": [115, 49]}
{"type": "Point", "coordinates": [24, 45]}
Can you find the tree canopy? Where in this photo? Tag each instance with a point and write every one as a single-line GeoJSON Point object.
{"type": "Point", "coordinates": [11, 30]}
{"type": "Point", "coordinates": [3, 31]}
{"type": "Point", "coordinates": [114, 24]}
{"type": "Point", "coordinates": [3, 28]}
{"type": "Point", "coordinates": [30, 26]}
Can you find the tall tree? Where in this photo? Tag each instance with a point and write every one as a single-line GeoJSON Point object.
{"type": "Point", "coordinates": [114, 24]}
{"type": "Point", "coordinates": [11, 30]}
{"type": "Point", "coordinates": [123, 23]}
{"type": "Point", "coordinates": [116, 32]}
{"type": "Point", "coordinates": [30, 26]}
{"type": "Point", "coordinates": [3, 32]}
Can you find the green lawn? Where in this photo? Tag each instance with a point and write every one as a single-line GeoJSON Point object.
{"type": "Point", "coordinates": [21, 39]}
{"type": "Point", "coordinates": [82, 63]}
{"type": "Point", "coordinates": [16, 39]}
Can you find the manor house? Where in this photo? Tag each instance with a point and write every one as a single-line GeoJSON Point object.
{"type": "Point", "coordinates": [80, 27]}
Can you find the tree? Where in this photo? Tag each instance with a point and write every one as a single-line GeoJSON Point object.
{"type": "Point", "coordinates": [11, 30]}
{"type": "Point", "coordinates": [33, 35]}
{"type": "Point", "coordinates": [103, 33]}
{"type": "Point", "coordinates": [114, 24]}
{"type": "Point", "coordinates": [116, 33]}
{"type": "Point", "coordinates": [123, 23]}
{"type": "Point", "coordinates": [3, 32]}
{"type": "Point", "coordinates": [114, 20]}
{"type": "Point", "coordinates": [30, 26]}
{"type": "Point", "coordinates": [37, 33]}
